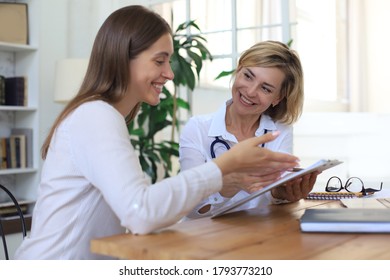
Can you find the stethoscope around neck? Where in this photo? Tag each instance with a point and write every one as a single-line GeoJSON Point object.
{"type": "Point", "coordinates": [224, 143]}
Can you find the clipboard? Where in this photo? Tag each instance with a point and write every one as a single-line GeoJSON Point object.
{"type": "Point", "coordinates": [320, 166]}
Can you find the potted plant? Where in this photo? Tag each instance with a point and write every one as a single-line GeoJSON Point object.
{"type": "Point", "coordinates": [186, 62]}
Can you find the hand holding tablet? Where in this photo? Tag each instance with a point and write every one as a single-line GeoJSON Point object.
{"type": "Point", "coordinates": [319, 166]}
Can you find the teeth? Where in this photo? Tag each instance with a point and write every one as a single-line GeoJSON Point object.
{"type": "Point", "coordinates": [247, 101]}
{"type": "Point", "coordinates": [159, 87]}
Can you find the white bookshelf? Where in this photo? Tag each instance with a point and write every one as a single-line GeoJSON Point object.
{"type": "Point", "coordinates": [22, 60]}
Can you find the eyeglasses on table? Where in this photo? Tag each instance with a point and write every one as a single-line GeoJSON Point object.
{"type": "Point", "coordinates": [352, 185]}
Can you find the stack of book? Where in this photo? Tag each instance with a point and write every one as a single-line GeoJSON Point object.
{"type": "Point", "coordinates": [16, 150]}
{"type": "Point", "coordinates": [8, 208]}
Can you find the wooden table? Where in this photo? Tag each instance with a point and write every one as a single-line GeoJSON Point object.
{"type": "Point", "coordinates": [270, 233]}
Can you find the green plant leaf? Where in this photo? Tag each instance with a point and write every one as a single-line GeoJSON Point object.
{"type": "Point", "coordinates": [185, 25]}
{"type": "Point", "coordinates": [137, 132]}
{"type": "Point", "coordinates": [197, 60]}
{"type": "Point", "coordinates": [186, 63]}
{"type": "Point", "coordinates": [185, 76]}
{"type": "Point", "coordinates": [205, 52]}
{"type": "Point", "coordinates": [224, 74]}
{"type": "Point", "coordinates": [182, 103]}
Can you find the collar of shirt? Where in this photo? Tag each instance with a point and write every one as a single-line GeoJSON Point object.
{"type": "Point", "coordinates": [218, 125]}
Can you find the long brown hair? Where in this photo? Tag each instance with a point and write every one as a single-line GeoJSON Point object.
{"type": "Point", "coordinates": [279, 55]}
{"type": "Point", "coordinates": [123, 36]}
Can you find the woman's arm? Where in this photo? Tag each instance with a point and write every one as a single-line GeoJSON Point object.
{"type": "Point", "coordinates": [103, 155]}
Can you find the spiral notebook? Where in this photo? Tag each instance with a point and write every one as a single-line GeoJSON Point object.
{"type": "Point", "coordinates": [332, 195]}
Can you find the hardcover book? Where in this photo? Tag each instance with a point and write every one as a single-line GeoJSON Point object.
{"type": "Point", "coordinates": [28, 145]}
{"type": "Point", "coordinates": [8, 208]}
{"type": "Point", "coordinates": [2, 90]}
{"type": "Point", "coordinates": [3, 152]}
{"type": "Point", "coordinates": [14, 23]}
{"type": "Point", "coordinates": [358, 220]}
{"type": "Point", "coordinates": [18, 151]}
{"type": "Point", "coordinates": [15, 91]}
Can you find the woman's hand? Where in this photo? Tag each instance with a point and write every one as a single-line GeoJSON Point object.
{"type": "Point", "coordinates": [296, 189]}
{"type": "Point", "coordinates": [249, 182]}
{"type": "Point", "coordinates": [248, 156]}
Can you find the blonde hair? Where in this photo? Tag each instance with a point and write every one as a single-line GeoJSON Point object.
{"type": "Point", "coordinates": [123, 36]}
{"type": "Point", "coordinates": [279, 55]}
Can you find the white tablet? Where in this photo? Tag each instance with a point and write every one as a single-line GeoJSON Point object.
{"type": "Point", "coordinates": [320, 165]}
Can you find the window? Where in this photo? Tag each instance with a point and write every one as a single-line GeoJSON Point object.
{"type": "Point", "coordinates": [321, 40]}
{"type": "Point", "coordinates": [318, 30]}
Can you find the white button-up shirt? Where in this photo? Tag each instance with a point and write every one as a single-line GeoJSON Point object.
{"type": "Point", "coordinates": [196, 140]}
{"type": "Point", "coordinates": [93, 186]}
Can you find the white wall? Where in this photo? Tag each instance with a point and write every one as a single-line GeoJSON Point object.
{"type": "Point", "coordinates": [378, 56]}
{"type": "Point", "coordinates": [52, 46]}
{"type": "Point", "coordinates": [360, 140]}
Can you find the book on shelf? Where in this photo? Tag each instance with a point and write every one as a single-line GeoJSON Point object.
{"type": "Point", "coordinates": [16, 91]}
{"type": "Point", "coordinates": [352, 220]}
{"type": "Point", "coordinates": [8, 208]}
{"type": "Point", "coordinates": [16, 151]}
{"type": "Point", "coordinates": [2, 90]}
{"type": "Point", "coordinates": [12, 153]}
{"type": "Point", "coordinates": [14, 23]}
{"type": "Point", "coordinates": [3, 152]}
{"type": "Point", "coordinates": [28, 146]}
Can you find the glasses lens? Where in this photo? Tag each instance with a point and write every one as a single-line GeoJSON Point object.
{"type": "Point", "coordinates": [354, 184]}
{"type": "Point", "coordinates": [334, 185]}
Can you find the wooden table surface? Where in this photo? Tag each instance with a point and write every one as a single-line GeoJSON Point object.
{"type": "Point", "coordinates": [270, 233]}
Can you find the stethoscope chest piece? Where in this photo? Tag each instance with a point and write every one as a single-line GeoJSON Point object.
{"type": "Point", "coordinates": [216, 141]}
{"type": "Point", "coordinates": [222, 142]}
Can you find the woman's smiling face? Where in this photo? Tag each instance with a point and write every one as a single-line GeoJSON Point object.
{"type": "Point", "coordinates": [256, 88]}
{"type": "Point", "coordinates": [150, 70]}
